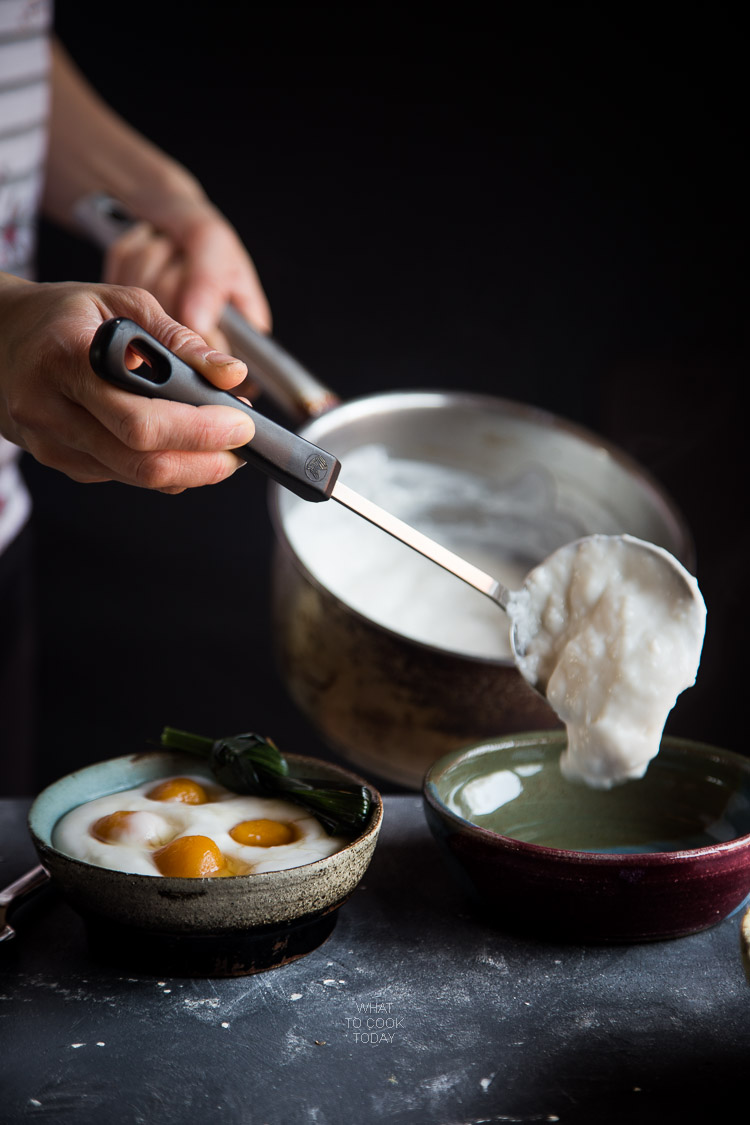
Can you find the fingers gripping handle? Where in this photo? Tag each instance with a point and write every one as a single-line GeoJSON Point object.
{"type": "Point", "coordinates": [289, 384]}
{"type": "Point", "coordinates": [296, 464]}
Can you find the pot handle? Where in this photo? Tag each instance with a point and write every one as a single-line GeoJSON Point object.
{"type": "Point", "coordinates": [290, 385]}
{"type": "Point", "coordinates": [290, 460]}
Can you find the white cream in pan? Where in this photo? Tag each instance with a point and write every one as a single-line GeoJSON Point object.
{"type": "Point", "coordinates": [190, 827]}
{"type": "Point", "coordinates": [501, 530]}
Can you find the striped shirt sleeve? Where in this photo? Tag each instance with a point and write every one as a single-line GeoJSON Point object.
{"type": "Point", "coordinates": [24, 110]}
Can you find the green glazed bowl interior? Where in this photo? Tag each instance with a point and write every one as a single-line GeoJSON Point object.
{"type": "Point", "coordinates": [692, 796]}
{"type": "Point", "coordinates": [658, 857]}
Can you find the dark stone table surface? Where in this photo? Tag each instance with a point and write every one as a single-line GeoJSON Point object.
{"type": "Point", "coordinates": [414, 1011]}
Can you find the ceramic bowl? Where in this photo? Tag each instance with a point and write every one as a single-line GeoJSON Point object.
{"type": "Point", "coordinates": [659, 857]}
{"type": "Point", "coordinates": [197, 927]}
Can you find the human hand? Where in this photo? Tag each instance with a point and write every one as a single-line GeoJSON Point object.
{"type": "Point", "coordinates": [55, 407]}
{"type": "Point", "coordinates": [181, 248]}
{"type": "Point", "coordinates": [184, 252]}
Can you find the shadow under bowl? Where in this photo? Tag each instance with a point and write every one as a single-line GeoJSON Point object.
{"type": "Point", "coordinates": [230, 926]}
{"type": "Point", "coordinates": [658, 857]}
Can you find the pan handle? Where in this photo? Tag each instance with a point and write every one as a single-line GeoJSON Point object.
{"type": "Point", "coordinates": [290, 385]}
{"type": "Point", "coordinates": [16, 894]}
{"type": "Point", "coordinates": [290, 460]}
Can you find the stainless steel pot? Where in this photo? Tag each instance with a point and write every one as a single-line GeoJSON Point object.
{"type": "Point", "coordinates": [387, 703]}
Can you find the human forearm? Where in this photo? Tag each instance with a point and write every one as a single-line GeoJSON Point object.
{"type": "Point", "coordinates": [92, 149]}
{"type": "Point", "coordinates": [182, 250]}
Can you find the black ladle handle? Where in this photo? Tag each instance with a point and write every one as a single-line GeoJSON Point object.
{"type": "Point", "coordinates": [296, 464]}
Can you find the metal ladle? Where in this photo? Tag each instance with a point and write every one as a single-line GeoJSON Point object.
{"type": "Point", "coordinates": [305, 469]}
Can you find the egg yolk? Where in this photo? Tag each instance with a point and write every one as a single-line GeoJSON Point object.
{"type": "Point", "coordinates": [263, 833]}
{"type": "Point", "coordinates": [179, 789]}
{"type": "Point", "coordinates": [190, 857]}
{"type": "Point", "coordinates": [116, 827]}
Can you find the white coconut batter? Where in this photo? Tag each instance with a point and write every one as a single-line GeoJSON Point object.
{"type": "Point", "coordinates": [503, 530]}
{"type": "Point", "coordinates": [132, 846]}
{"type": "Point", "coordinates": [607, 631]}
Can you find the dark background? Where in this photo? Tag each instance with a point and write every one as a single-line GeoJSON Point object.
{"type": "Point", "coordinates": [549, 209]}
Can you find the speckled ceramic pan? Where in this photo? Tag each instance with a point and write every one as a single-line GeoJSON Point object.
{"type": "Point", "coordinates": [213, 926]}
{"type": "Point", "coordinates": [659, 857]}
